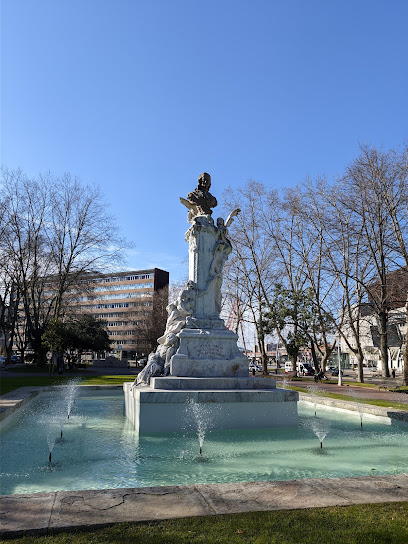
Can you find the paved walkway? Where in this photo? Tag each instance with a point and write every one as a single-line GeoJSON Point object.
{"type": "Point", "coordinates": [47, 513]}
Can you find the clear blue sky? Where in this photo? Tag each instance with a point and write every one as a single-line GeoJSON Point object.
{"type": "Point", "coordinates": [141, 96]}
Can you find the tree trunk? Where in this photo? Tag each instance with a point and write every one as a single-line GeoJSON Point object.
{"type": "Point", "coordinates": [293, 361]}
{"type": "Point", "coordinates": [384, 344]}
{"type": "Point", "coordinates": [40, 353]}
{"type": "Point", "coordinates": [264, 357]}
{"type": "Point", "coordinates": [324, 360]}
{"type": "Point", "coordinates": [360, 362]}
{"type": "Point", "coordinates": [9, 352]}
{"type": "Point", "coordinates": [405, 369]}
{"type": "Point", "coordinates": [314, 356]}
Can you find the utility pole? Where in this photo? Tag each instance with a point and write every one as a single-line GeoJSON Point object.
{"type": "Point", "coordinates": [340, 382]}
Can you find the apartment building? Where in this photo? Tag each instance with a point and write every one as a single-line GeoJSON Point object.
{"type": "Point", "coordinates": [127, 302]}
{"type": "Point", "coordinates": [365, 314]}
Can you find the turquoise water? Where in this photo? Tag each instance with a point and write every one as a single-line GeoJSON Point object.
{"type": "Point", "coordinates": [100, 450]}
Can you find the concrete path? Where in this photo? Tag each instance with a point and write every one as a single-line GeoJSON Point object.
{"type": "Point", "coordinates": [47, 513]}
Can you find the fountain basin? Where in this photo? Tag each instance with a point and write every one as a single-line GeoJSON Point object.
{"type": "Point", "coordinates": [100, 449]}
{"type": "Point", "coordinates": [236, 403]}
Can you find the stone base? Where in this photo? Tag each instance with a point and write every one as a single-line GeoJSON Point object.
{"type": "Point", "coordinates": [163, 410]}
{"type": "Point", "coordinates": [204, 384]}
{"type": "Point", "coordinates": [208, 353]}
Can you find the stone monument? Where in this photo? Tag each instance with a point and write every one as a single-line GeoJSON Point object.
{"type": "Point", "coordinates": [197, 358]}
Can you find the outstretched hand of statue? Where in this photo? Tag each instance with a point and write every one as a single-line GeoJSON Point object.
{"type": "Point", "coordinates": [231, 216]}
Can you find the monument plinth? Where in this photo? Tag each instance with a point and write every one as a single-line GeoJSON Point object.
{"type": "Point", "coordinates": [197, 359]}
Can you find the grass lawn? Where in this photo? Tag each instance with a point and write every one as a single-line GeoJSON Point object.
{"type": "Point", "coordinates": [9, 384]}
{"type": "Point", "coordinates": [374, 402]}
{"type": "Point", "coordinates": [361, 524]}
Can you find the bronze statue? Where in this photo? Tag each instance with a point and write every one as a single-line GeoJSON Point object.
{"type": "Point", "coordinates": [200, 201]}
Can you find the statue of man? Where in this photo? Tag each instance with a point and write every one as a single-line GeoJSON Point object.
{"type": "Point", "coordinates": [200, 201]}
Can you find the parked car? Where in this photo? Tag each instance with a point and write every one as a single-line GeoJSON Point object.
{"type": "Point", "coordinates": [255, 366]}
{"type": "Point", "coordinates": [3, 361]}
{"type": "Point", "coordinates": [15, 358]}
{"type": "Point", "coordinates": [305, 369]}
{"type": "Point", "coordinates": [335, 372]}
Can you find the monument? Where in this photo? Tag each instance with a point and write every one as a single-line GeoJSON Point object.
{"type": "Point", "coordinates": [197, 359]}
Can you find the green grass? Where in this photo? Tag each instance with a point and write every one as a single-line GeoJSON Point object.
{"type": "Point", "coordinates": [374, 402]}
{"type": "Point", "coordinates": [358, 524]}
{"type": "Point", "coordinates": [9, 384]}
{"type": "Point", "coordinates": [107, 380]}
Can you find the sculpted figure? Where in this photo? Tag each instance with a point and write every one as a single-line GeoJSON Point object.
{"type": "Point", "coordinates": [179, 310]}
{"type": "Point", "coordinates": [154, 367]}
{"type": "Point", "coordinates": [158, 363]}
{"type": "Point", "coordinates": [222, 250]}
{"type": "Point", "coordinates": [200, 201]}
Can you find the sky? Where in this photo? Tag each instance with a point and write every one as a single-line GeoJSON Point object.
{"type": "Point", "coordinates": [141, 96]}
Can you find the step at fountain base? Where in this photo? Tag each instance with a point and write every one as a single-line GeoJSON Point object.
{"type": "Point", "coordinates": [155, 409]}
{"type": "Point", "coordinates": [200, 384]}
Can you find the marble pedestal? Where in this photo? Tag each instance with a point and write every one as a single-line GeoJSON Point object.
{"type": "Point", "coordinates": [208, 352]}
{"type": "Point", "coordinates": [231, 403]}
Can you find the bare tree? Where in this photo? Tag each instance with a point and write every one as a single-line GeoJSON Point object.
{"type": "Point", "coordinates": [395, 196]}
{"type": "Point", "coordinates": [346, 261]}
{"type": "Point", "coordinates": [150, 325]}
{"type": "Point", "coordinates": [309, 245]}
{"type": "Point", "coordinates": [57, 231]}
{"type": "Point", "coordinates": [282, 221]}
{"type": "Point", "coordinates": [81, 235]}
{"type": "Point", "coordinates": [366, 182]}
{"type": "Point", "coordinates": [252, 261]}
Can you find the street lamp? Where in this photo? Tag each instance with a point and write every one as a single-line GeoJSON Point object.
{"type": "Point", "coordinates": [340, 382]}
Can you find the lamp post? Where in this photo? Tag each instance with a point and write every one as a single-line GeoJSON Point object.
{"type": "Point", "coordinates": [340, 382]}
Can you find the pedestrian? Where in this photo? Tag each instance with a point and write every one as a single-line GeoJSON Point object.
{"type": "Point", "coordinates": [393, 373]}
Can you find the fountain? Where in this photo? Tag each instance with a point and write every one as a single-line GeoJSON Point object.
{"type": "Point", "coordinates": [314, 391]}
{"type": "Point", "coordinates": [72, 391]}
{"type": "Point", "coordinates": [359, 409]}
{"type": "Point", "coordinates": [59, 412]}
{"type": "Point", "coordinates": [320, 428]}
{"type": "Point", "coordinates": [104, 452]}
{"type": "Point", "coordinates": [197, 357]}
{"type": "Point", "coordinates": [204, 417]}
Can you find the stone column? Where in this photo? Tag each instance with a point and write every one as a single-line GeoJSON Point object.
{"type": "Point", "coordinates": [202, 238]}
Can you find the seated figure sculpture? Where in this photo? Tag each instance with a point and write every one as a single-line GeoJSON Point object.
{"type": "Point", "coordinates": [158, 363]}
